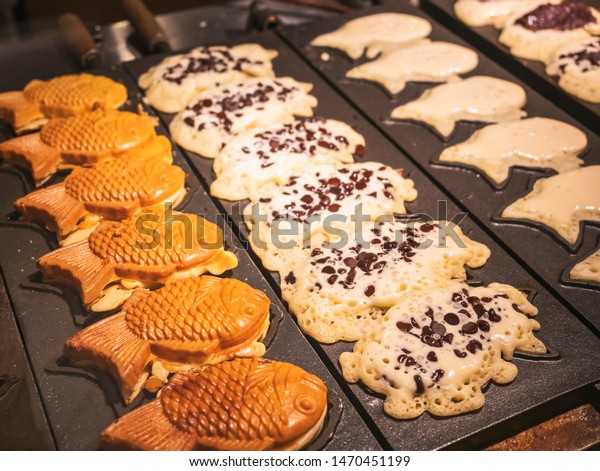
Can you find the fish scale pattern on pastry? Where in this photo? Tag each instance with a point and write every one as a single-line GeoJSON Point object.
{"type": "Point", "coordinates": [84, 139]}
{"type": "Point", "coordinates": [215, 116]}
{"type": "Point", "coordinates": [435, 350]}
{"type": "Point", "coordinates": [150, 248]}
{"type": "Point", "coordinates": [185, 325]}
{"type": "Point", "coordinates": [337, 292]}
{"type": "Point", "coordinates": [244, 404]}
{"type": "Point", "coordinates": [109, 189]}
{"type": "Point", "coordinates": [271, 155]}
{"type": "Point", "coordinates": [479, 98]}
{"type": "Point", "coordinates": [67, 95]}
{"type": "Point", "coordinates": [170, 85]}
{"type": "Point", "coordinates": [373, 34]}
{"type": "Point", "coordinates": [321, 195]}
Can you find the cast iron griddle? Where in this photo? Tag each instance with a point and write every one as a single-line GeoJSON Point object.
{"type": "Point", "coordinates": [80, 405]}
{"type": "Point", "coordinates": [542, 253]}
{"type": "Point", "coordinates": [543, 386]}
{"type": "Point", "coordinates": [486, 39]}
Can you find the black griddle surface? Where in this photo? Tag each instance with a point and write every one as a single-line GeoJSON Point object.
{"type": "Point", "coordinates": [541, 252]}
{"type": "Point", "coordinates": [486, 39]}
{"type": "Point", "coordinates": [79, 405]}
{"type": "Point", "coordinates": [542, 387]}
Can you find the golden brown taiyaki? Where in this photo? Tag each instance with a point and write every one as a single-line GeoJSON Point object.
{"type": "Point", "coordinates": [184, 325]}
{"type": "Point", "coordinates": [67, 95]}
{"type": "Point", "coordinates": [84, 139]}
{"type": "Point", "coordinates": [111, 189]}
{"type": "Point", "coordinates": [243, 404]}
{"type": "Point", "coordinates": [148, 249]}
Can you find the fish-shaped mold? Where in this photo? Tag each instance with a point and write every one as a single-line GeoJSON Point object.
{"type": "Point", "coordinates": [244, 404]}
{"type": "Point", "coordinates": [67, 95]}
{"type": "Point", "coordinates": [148, 249]}
{"type": "Point", "coordinates": [84, 139]}
{"type": "Point", "coordinates": [185, 325]}
{"type": "Point", "coordinates": [111, 189]}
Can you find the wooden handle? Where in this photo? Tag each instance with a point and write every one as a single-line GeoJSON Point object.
{"type": "Point", "coordinates": [145, 25]}
{"type": "Point", "coordinates": [78, 39]}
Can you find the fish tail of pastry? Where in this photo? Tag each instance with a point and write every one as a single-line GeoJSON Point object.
{"type": "Point", "coordinates": [30, 152]}
{"type": "Point", "coordinates": [111, 346]}
{"type": "Point", "coordinates": [146, 428]}
{"type": "Point", "coordinates": [80, 268]}
{"type": "Point", "coordinates": [17, 110]}
{"type": "Point", "coordinates": [52, 206]}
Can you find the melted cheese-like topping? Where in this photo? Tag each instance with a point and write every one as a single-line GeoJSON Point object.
{"type": "Point", "coordinates": [436, 349]}
{"type": "Point", "coordinates": [588, 269]}
{"type": "Point", "coordinates": [561, 202]}
{"type": "Point", "coordinates": [423, 61]}
{"type": "Point", "coordinates": [532, 142]}
{"type": "Point", "coordinates": [493, 12]}
{"type": "Point", "coordinates": [479, 98]}
{"type": "Point", "coordinates": [271, 155]}
{"type": "Point", "coordinates": [375, 33]}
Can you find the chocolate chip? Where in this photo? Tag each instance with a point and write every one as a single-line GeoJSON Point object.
{"type": "Point", "coordinates": [469, 328]}
{"type": "Point", "coordinates": [451, 319]}
{"type": "Point", "coordinates": [403, 326]}
{"type": "Point", "coordinates": [438, 328]}
{"type": "Point", "coordinates": [483, 325]}
{"type": "Point", "coordinates": [431, 356]}
{"type": "Point", "coordinates": [437, 375]}
{"type": "Point", "coordinates": [460, 354]}
{"type": "Point", "coordinates": [370, 291]}
{"type": "Point", "coordinates": [290, 278]}
{"type": "Point", "coordinates": [420, 385]}
{"type": "Point", "coordinates": [474, 345]}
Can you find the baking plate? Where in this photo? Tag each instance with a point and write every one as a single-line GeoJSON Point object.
{"type": "Point", "coordinates": [544, 386]}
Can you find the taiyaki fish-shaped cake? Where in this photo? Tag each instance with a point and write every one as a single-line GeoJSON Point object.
{"type": "Point", "coordinates": [421, 61]}
{"type": "Point", "coordinates": [213, 117]}
{"type": "Point", "coordinates": [244, 404]}
{"type": "Point", "coordinates": [540, 32]}
{"type": "Point", "coordinates": [152, 247]}
{"type": "Point", "coordinates": [561, 202]}
{"type": "Point", "coordinates": [344, 284]}
{"type": "Point", "coordinates": [185, 325]}
{"type": "Point", "coordinates": [436, 349]}
{"type": "Point", "coordinates": [478, 98]}
{"type": "Point", "coordinates": [84, 139]}
{"type": "Point", "coordinates": [578, 68]}
{"type": "Point", "coordinates": [373, 34]}
{"type": "Point", "coordinates": [67, 95]}
{"type": "Point", "coordinates": [112, 189]}
{"type": "Point", "coordinates": [285, 218]}
{"type": "Point", "coordinates": [273, 154]}
{"type": "Point", "coordinates": [171, 84]}
{"type": "Point", "coordinates": [531, 142]}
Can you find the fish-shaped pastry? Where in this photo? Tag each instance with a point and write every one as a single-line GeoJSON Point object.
{"type": "Point", "coordinates": [67, 95]}
{"type": "Point", "coordinates": [152, 247]}
{"type": "Point", "coordinates": [184, 325]}
{"type": "Point", "coordinates": [244, 404]}
{"type": "Point", "coordinates": [112, 189]}
{"type": "Point", "coordinates": [84, 139]}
